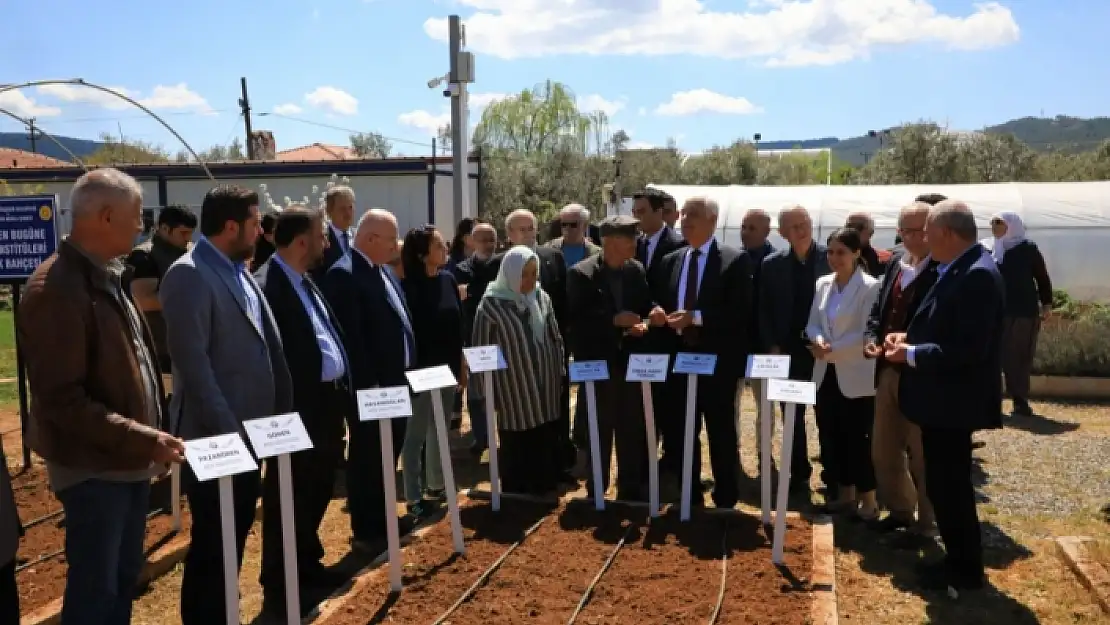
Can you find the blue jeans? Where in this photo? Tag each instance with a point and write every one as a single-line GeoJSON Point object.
{"type": "Point", "coordinates": [476, 407]}
{"type": "Point", "coordinates": [420, 452]}
{"type": "Point", "coordinates": [105, 530]}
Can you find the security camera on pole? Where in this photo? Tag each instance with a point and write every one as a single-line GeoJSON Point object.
{"type": "Point", "coordinates": [461, 75]}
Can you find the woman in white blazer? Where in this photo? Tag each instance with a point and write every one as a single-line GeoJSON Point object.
{"type": "Point", "coordinates": [845, 378]}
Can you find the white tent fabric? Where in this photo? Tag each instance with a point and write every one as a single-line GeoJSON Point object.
{"type": "Point", "coordinates": [1069, 221]}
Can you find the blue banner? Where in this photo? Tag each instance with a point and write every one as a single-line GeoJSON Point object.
{"type": "Point", "coordinates": [28, 234]}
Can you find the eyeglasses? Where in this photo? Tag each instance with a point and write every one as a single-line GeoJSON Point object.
{"type": "Point", "coordinates": [569, 224]}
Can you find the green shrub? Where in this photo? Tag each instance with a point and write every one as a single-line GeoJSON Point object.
{"type": "Point", "coordinates": [1075, 341]}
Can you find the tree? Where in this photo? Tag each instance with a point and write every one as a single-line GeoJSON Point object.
{"type": "Point", "coordinates": [540, 120]}
{"type": "Point", "coordinates": [443, 138]}
{"type": "Point", "coordinates": [370, 145]}
{"type": "Point", "coordinates": [115, 151]}
{"type": "Point", "coordinates": [23, 189]}
{"type": "Point", "coordinates": [223, 153]}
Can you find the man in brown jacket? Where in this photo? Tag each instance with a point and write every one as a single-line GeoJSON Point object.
{"type": "Point", "coordinates": [95, 398]}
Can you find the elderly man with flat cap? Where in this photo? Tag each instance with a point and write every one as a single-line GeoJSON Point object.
{"type": "Point", "coordinates": [608, 299]}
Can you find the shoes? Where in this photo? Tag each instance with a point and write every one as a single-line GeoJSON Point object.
{"type": "Point", "coordinates": [1022, 408]}
{"type": "Point", "coordinates": [436, 494]}
{"type": "Point", "coordinates": [891, 523]}
{"type": "Point", "coordinates": [423, 509]}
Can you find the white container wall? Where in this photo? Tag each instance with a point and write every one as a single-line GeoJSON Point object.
{"type": "Point", "coordinates": [1069, 221]}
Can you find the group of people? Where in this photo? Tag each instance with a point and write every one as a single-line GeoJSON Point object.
{"type": "Point", "coordinates": [295, 311]}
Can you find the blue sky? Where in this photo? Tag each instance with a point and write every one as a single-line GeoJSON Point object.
{"type": "Point", "coordinates": [702, 72]}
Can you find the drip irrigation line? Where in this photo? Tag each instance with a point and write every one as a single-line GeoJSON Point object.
{"type": "Point", "coordinates": [42, 519]}
{"type": "Point", "coordinates": [484, 577]}
{"type": "Point", "coordinates": [586, 596]}
{"type": "Point", "coordinates": [724, 576]}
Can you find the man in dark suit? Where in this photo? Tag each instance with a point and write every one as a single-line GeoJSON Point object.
{"type": "Point", "coordinates": [896, 441]}
{"type": "Point", "coordinates": [472, 274]}
{"type": "Point", "coordinates": [322, 395]}
{"type": "Point", "coordinates": [378, 340]}
{"type": "Point", "coordinates": [10, 531]}
{"type": "Point", "coordinates": [657, 239]}
{"type": "Point", "coordinates": [704, 296]}
{"type": "Point", "coordinates": [339, 204]}
{"type": "Point", "coordinates": [953, 384]}
{"type": "Point", "coordinates": [786, 285]}
{"type": "Point", "coordinates": [609, 299]}
{"type": "Point", "coordinates": [755, 229]}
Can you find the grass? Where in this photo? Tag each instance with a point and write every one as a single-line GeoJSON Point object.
{"type": "Point", "coordinates": [9, 398]}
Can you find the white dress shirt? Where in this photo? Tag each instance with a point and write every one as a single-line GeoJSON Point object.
{"type": "Point", "coordinates": [682, 303]}
{"type": "Point", "coordinates": [652, 243]}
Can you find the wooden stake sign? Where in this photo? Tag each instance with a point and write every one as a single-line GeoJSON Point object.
{"type": "Point", "coordinates": [430, 380]}
{"type": "Point", "coordinates": [486, 359]}
{"type": "Point", "coordinates": [589, 372]}
{"type": "Point", "coordinates": [766, 367]}
{"type": "Point", "coordinates": [692, 365]}
{"type": "Point", "coordinates": [793, 394]}
{"type": "Point", "coordinates": [645, 369]}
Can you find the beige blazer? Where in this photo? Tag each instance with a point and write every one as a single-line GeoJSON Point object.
{"type": "Point", "coordinates": [854, 372]}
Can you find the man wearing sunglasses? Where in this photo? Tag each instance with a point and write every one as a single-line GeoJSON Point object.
{"type": "Point", "coordinates": [573, 220]}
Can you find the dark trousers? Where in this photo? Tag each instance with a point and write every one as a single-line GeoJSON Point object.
{"type": "Point", "coordinates": [9, 594]}
{"type": "Point", "coordinates": [529, 462]}
{"type": "Point", "coordinates": [202, 583]}
{"type": "Point", "coordinates": [365, 497]}
{"type": "Point", "coordinates": [105, 530]}
{"type": "Point", "coordinates": [844, 427]}
{"type": "Point", "coordinates": [801, 469]}
{"type": "Point", "coordinates": [1019, 346]}
{"type": "Point", "coordinates": [313, 476]}
{"type": "Point", "coordinates": [567, 451]}
{"type": "Point", "coordinates": [620, 420]}
{"type": "Point", "coordinates": [716, 401]}
{"type": "Point", "coordinates": [948, 485]}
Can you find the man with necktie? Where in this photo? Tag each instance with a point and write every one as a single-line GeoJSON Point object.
{"type": "Point", "coordinates": [704, 296]}
{"type": "Point", "coordinates": [657, 239]}
{"type": "Point", "coordinates": [228, 367]}
{"type": "Point", "coordinates": [322, 395]}
{"type": "Point", "coordinates": [377, 336]}
{"type": "Point", "coordinates": [339, 204]}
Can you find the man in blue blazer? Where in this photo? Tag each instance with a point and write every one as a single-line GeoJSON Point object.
{"type": "Point", "coordinates": [953, 384]}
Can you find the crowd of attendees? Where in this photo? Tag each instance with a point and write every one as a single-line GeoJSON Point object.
{"type": "Point", "coordinates": [296, 310]}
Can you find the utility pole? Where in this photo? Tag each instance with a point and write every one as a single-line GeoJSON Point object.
{"type": "Point", "coordinates": [245, 106]}
{"type": "Point", "coordinates": [460, 74]}
{"type": "Point", "coordinates": [33, 134]}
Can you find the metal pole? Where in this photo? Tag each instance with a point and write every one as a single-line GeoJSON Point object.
{"type": "Point", "coordinates": [245, 104]}
{"type": "Point", "coordinates": [458, 124]}
{"type": "Point", "coordinates": [32, 135]}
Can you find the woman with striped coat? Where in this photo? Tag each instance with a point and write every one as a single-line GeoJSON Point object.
{"type": "Point", "coordinates": [516, 315]}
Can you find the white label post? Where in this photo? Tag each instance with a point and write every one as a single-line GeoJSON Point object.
{"type": "Point", "coordinates": [383, 404]}
{"type": "Point", "coordinates": [645, 369]}
{"type": "Point", "coordinates": [793, 394]}
{"type": "Point", "coordinates": [766, 367]}
{"type": "Point", "coordinates": [279, 436]}
{"type": "Point", "coordinates": [692, 365]}
{"type": "Point", "coordinates": [589, 372]}
{"type": "Point", "coordinates": [175, 496]}
{"type": "Point", "coordinates": [430, 380]}
{"type": "Point", "coordinates": [486, 359]}
{"type": "Point", "coordinates": [221, 457]}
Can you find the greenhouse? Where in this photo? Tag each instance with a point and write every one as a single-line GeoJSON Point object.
{"type": "Point", "coordinates": [1070, 221]}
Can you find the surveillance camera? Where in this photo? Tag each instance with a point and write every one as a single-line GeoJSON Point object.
{"type": "Point", "coordinates": [433, 83]}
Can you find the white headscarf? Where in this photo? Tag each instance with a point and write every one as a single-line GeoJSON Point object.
{"type": "Point", "coordinates": [507, 287]}
{"type": "Point", "coordinates": [1015, 234]}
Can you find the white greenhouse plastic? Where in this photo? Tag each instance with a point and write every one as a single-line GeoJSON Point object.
{"type": "Point", "coordinates": [1069, 221]}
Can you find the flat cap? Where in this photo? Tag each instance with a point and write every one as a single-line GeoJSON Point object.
{"type": "Point", "coordinates": [619, 225]}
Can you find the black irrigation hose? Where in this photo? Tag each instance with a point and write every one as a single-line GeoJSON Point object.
{"type": "Point", "coordinates": [54, 554]}
{"type": "Point", "coordinates": [586, 596]}
{"type": "Point", "coordinates": [42, 519]}
{"type": "Point", "coordinates": [724, 576]}
{"type": "Point", "coordinates": [484, 577]}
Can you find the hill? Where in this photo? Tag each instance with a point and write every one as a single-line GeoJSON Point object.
{"type": "Point", "coordinates": [1061, 133]}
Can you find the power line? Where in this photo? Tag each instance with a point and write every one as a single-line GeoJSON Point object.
{"type": "Point", "coordinates": [78, 120]}
{"type": "Point", "coordinates": [347, 130]}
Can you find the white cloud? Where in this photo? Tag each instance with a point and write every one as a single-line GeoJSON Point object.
{"type": "Point", "coordinates": [482, 100]}
{"type": "Point", "coordinates": [163, 97]}
{"type": "Point", "coordinates": [595, 102]}
{"type": "Point", "coordinates": [423, 120]}
{"type": "Point", "coordinates": [776, 32]}
{"type": "Point", "coordinates": [641, 145]}
{"type": "Point", "coordinates": [287, 109]}
{"type": "Point", "coordinates": [176, 97]}
{"type": "Point", "coordinates": [333, 100]}
{"type": "Point", "coordinates": [19, 104]}
{"type": "Point", "coordinates": [705, 101]}
{"type": "Point", "coordinates": [88, 95]}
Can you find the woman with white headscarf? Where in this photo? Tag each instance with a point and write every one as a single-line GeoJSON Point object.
{"type": "Point", "coordinates": [1028, 301]}
{"type": "Point", "coordinates": [516, 315]}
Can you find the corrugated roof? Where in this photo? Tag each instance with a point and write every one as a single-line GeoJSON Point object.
{"type": "Point", "coordinates": [11, 158]}
{"type": "Point", "coordinates": [317, 152]}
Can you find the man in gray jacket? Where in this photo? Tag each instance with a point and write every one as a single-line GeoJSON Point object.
{"type": "Point", "coordinates": [10, 531]}
{"type": "Point", "coordinates": [228, 367]}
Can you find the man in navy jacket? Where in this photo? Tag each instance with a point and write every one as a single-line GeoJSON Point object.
{"type": "Point", "coordinates": [953, 384]}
